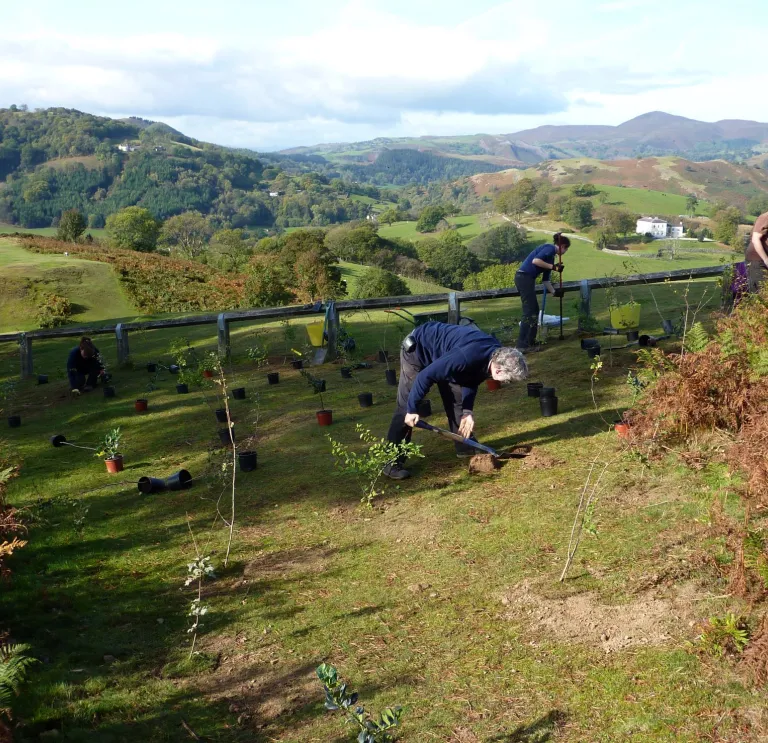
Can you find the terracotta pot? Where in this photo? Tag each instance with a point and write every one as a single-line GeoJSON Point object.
{"type": "Point", "coordinates": [493, 384]}
{"type": "Point", "coordinates": [622, 429]}
{"type": "Point", "coordinates": [114, 465]}
{"type": "Point", "coordinates": [207, 373]}
{"type": "Point", "coordinates": [140, 405]}
{"type": "Point", "coordinates": [324, 417]}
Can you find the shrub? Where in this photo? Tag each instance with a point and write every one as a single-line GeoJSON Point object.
{"type": "Point", "coordinates": [376, 282]}
{"type": "Point", "coordinates": [53, 311]}
{"type": "Point", "coordinates": [71, 226]}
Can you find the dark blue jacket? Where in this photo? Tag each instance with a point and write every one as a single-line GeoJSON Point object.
{"type": "Point", "coordinates": [545, 253]}
{"type": "Point", "coordinates": [77, 365]}
{"type": "Point", "coordinates": [451, 353]}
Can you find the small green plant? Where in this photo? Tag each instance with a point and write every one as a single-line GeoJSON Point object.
{"type": "Point", "coordinates": [289, 336]}
{"type": "Point", "coordinates": [189, 363]}
{"type": "Point", "coordinates": [339, 699]}
{"type": "Point", "coordinates": [367, 466]}
{"type": "Point", "coordinates": [14, 665]}
{"type": "Point", "coordinates": [724, 635]}
{"type": "Point", "coordinates": [316, 385]}
{"type": "Point", "coordinates": [79, 516]}
{"type": "Point", "coordinates": [197, 571]}
{"type": "Point", "coordinates": [109, 448]}
{"type": "Point", "coordinates": [258, 353]}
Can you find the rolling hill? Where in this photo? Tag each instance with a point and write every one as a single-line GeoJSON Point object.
{"type": "Point", "coordinates": [651, 134]}
{"type": "Point", "coordinates": [710, 180]}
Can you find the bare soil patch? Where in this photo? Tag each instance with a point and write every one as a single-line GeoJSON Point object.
{"type": "Point", "coordinates": [286, 562]}
{"type": "Point", "coordinates": [654, 618]}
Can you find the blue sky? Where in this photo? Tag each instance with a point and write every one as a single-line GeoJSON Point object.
{"type": "Point", "coordinates": [268, 75]}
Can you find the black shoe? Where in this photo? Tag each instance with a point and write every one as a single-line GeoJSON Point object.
{"type": "Point", "coordinates": [464, 451]}
{"type": "Point", "coordinates": [395, 472]}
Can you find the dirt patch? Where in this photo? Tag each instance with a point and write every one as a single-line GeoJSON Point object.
{"type": "Point", "coordinates": [652, 619]}
{"type": "Point", "coordinates": [286, 562]}
{"type": "Point", "coordinates": [539, 460]}
{"type": "Point", "coordinates": [754, 661]}
{"type": "Point", "coordinates": [482, 463]}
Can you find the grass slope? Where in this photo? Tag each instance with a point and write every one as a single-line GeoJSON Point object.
{"type": "Point", "coordinates": [421, 601]}
{"type": "Point", "coordinates": [467, 225]}
{"type": "Point", "coordinates": [647, 202]}
{"type": "Point", "coordinates": [9, 229]}
{"type": "Point", "coordinates": [91, 287]}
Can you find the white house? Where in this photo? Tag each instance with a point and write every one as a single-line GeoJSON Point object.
{"type": "Point", "coordinates": [126, 147]}
{"type": "Point", "coordinates": [659, 227]}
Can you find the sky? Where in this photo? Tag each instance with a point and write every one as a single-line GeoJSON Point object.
{"type": "Point", "coordinates": [278, 74]}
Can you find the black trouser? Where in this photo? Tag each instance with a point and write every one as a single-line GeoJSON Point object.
{"type": "Point", "coordinates": [529, 324]}
{"type": "Point", "coordinates": [88, 376]}
{"type": "Point", "coordinates": [449, 392]}
{"type": "Point", "coordinates": [757, 275]}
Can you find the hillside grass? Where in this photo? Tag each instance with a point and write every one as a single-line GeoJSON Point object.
{"type": "Point", "coordinates": [467, 225]}
{"type": "Point", "coordinates": [646, 202]}
{"type": "Point", "coordinates": [92, 288]}
{"type": "Point", "coordinates": [8, 229]}
{"type": "Point", "coordinates": [414, 600]}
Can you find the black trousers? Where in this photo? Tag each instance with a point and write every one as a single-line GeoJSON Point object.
{"type": "Point", "coordinates": [757, 275]}
{"type": "Point", "coordinates": [450, 393]}
{"type": "Point", "coordinates": [529, 324]}
{"type": "Point", "coordinates": [79, 379]}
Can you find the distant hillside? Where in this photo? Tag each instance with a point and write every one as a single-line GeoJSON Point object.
{"type": "Point", "coordinates": [710, 180]}
{"type": "Point", "coordinates": [650, 135]}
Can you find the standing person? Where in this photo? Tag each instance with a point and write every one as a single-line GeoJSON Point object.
{"type": "Point", "coordinates": [84, 366]}
{"type": "Point", "coordinates": [756, 254]}
{"type": "Point", "coordinates": [457, 358]}
{"type": "Point", "coordinates": [540, 261]}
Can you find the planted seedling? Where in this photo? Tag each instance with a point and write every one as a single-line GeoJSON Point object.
{"type": "Point", "coordinates": [324, 416]}
{"type": "Point", "coordinates": [338, 699]}
{"type": "Point", "coordinates": [188, 362]}
{"type": "Point", "coordinates": [289, 337]}
{"type": "Point", "coordinates": [109, 451]}
{"type": "Point", "coordinates": [368, 465]}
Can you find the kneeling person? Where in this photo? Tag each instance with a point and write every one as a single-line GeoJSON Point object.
{"type": "Point", "coordinates": [457, 359]}
{"type": "Point", "coordinates": [84, 366]}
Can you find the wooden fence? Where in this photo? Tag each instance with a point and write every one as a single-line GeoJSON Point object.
{"type": "Point", "coordinates": [224, 319]}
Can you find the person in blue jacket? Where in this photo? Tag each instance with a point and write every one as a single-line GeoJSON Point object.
{"type": "Point", "coordinates": [84, 366]}
{"type": "Point", "coordinates": [456, 358]}
{"type": "Point", "coordinates": [540, 262]}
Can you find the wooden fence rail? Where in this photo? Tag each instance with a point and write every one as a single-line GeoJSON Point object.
{"type": "Point", "coordinates": [223, 320]}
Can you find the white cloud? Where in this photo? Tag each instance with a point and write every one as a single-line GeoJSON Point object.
{"type": "Point", "coordinates": [367, 73]}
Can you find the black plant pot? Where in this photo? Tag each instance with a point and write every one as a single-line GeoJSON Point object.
{"type": "Point", "coordinates": [365, 399]}
{"type": "Point", "coordinates": [109, 392]}
{"type": "Point", "coordinates": [149, 485]}
{"type": "Point", "coordinates": [425, 409]}
{"type": "Point", "coordinates": [383, 357]}
{"type": "Point", "coordinates": [534, 388]}
{"type": "Point", "coordinates": [151, 368]}
{"type": "Point", "coordinates": [589, 343]}
{"type": "Point", "coordinates": [548, 406]}
{"type": "Point", "coordinates": [238, 393]}
{"type": "Point", "coordinates": [298, 364]}
{"type": "Point", "coordinates": [632, 335]}
{"type": "Point", "coordinates": [178, 481]}
{"type": "Point", "coordinates": [173, 369]}
{"type": "Point", "coordinates": [593, 352]}
{"type": "Point", "coordinates": [247, 461]}
{"type": "Point", "coordinates": [346, 372]}
{"type": "Point", "coordinates": [58, 440]}
{"type": "Point", "coordinates": [14, 421]}
{"type": "Point", "coordinates": [221, 415]}
{"type": "Point", "coordinates": [42, 379]}
{"type": "Point", "coordinates": [273, 378]}
{"type": "Point", "coordinates": [547, 392]}
{"type": "Point", "coordinates": [224, 436]}
{"type": "Point", "coordinates": [391, 377]}
{"type": "Point", "coordinates": [182, 389]}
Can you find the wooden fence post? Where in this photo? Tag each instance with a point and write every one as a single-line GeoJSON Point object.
{"type": "Point", "coordinates": [454, 309]}
{"type": "Point", "coordinates": [25, 352]}
{"type": "Point", "coordinates": [585, 291]}
{"type": "Point", "coordinates": [332, 329]}
{"type": "Point", "coordinates": [123, 352]}
{"type": "Point", "coordinates": [223, 327]}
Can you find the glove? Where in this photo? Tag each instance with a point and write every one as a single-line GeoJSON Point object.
{"type": "Point", "coordinates": [558, 267]}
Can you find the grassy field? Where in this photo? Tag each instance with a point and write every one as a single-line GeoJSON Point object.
{"type": "Point", "coordinates": [7, 229]}
{"type": "Point", "coordinates": [647, 202]}
{"type": "Point", "coordinates": [444, 597]}
{"type": "Point", "coordinates": [467, 225]}
{"type": "Point", "coordinates": [92, 287]}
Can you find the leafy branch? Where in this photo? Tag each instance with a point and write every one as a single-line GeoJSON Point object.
{"type": "Point", "coordinates": [338, 699]}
